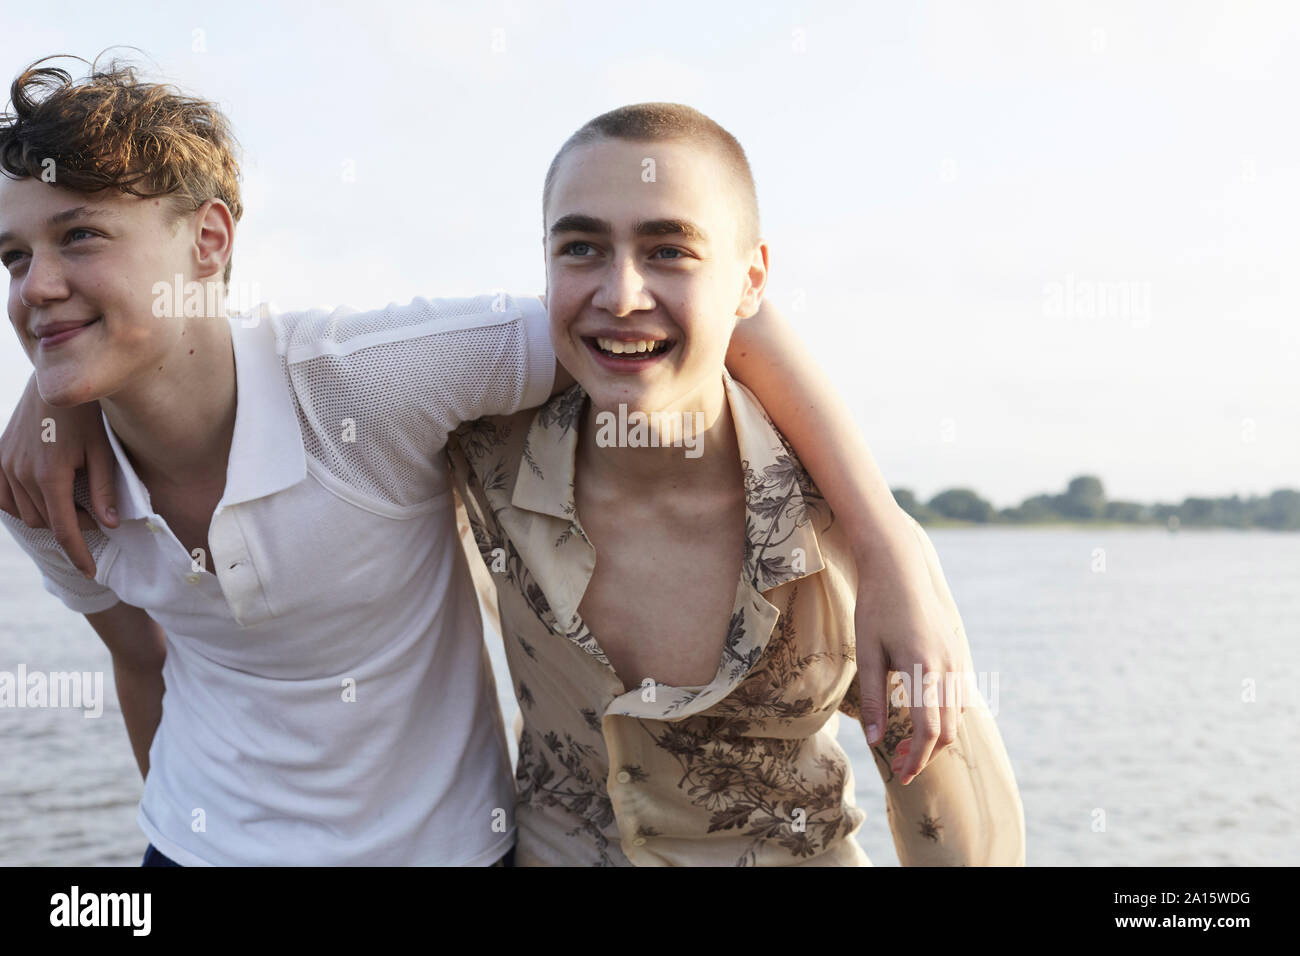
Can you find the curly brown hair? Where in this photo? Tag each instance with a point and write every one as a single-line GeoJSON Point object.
{"type": "Point", "coordinates": [111, 130]}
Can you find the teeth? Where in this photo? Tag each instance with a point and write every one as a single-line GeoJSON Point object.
{"type": "Point", "coordinates": [626, 348]}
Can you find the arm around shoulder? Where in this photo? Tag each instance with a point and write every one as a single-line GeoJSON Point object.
{"type": "Point", "coordinates": [964, 808]}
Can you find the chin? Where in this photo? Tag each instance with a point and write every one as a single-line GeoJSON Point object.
{"type": "Point", "coordinates": [65, 391]}
{"type": "Point", "coordinates": [636, 400]}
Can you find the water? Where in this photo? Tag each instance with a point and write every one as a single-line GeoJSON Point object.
{"type": "Point", "coordinates": [1120, 655]}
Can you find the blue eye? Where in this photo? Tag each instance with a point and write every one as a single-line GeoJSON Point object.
{"type": "Point", "coordinates": [679, 253]}
{"type": "Point", "coordinates": [569, 249]}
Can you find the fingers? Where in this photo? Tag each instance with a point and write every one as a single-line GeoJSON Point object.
{"type": "Point", "coordinates": [949, 715]}
{"type": "Point", "coordinates": [26, 509]}
{"type": "Point", "coordinates": [85, 521]}
{"type": "Point", "coordinates": [926, 726]}
{"type": "Point", "coordinates": [949, 707]}
{"type": "Point", "coordinates": [967, 667]}
{"type": "Point", "coordinates": [27, 490]}
{"type": "Point", "coordinates": [936, 710]}
{"type": "Point", "coordinates": [7, 503]}
{"type": "Point", "coordinates": [873, 684]}
{"type": "Point", "coordinates": [100, 472]}
{"type": "Point", "coordinates": [900, 755]}
{"type": "Point", "coordinates": [62, 511]}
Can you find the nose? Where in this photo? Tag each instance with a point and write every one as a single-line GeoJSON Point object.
{"type": "Point", "coordinates": [622, 288]}
{"type": "Point", "coordinates": [44, 281]}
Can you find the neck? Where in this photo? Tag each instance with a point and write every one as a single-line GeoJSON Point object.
{"type": "Point", "coordinates": [696, 444]}
{"type": "Point", "coordinates": [177, 421]}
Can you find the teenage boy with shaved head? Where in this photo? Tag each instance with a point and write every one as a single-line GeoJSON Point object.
{"type": "Point", "coordinates": [677, 602]}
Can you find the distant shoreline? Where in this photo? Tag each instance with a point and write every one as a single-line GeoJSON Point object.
{"type": "Point", "coordinates": [1085, 505]}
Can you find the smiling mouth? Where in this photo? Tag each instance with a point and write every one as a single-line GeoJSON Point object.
{"type": "Point", "coordinates": [64, 334]}
{"type": "Point", "coordinates": [630, 351]}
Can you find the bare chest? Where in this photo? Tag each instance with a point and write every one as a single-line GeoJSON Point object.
{"type": "Point", "coordinates": [661, 597]}
{"type": "Point", "coordinates": [189, 517]}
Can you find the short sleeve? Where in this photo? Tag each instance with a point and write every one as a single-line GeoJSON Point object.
{"type": "Point", "coordinates": [377, 393]}
{"type": "Point", "coordinates": [60, 576]}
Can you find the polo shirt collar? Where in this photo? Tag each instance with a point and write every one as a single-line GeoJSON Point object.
{"type": "Point", "coordinates": [266, 450]}
{"type": "Point", "coordinates": [132, 496]}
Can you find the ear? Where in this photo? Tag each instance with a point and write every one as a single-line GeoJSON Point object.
{"type": "Point", "coordinates": [755, 282]}
{"type": "Point", "coordinates": [214, 236]}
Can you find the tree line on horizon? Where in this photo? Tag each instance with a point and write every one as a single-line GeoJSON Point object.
{"type": "Point", "coordinates": [1085, 500]}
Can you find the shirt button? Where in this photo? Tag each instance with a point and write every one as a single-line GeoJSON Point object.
{"type": "Point", "coordinates": [623, 776]}
{"type": "Point", "coordinates": [151, 526]}
{"type": "Point", "coordinates": [639, 841]}
{"type": "Point", "coordinates": [192, 578]}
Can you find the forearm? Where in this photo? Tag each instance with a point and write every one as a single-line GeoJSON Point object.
{"type": "Point", "coordinates": [965, 809]}
{"type": "Point", "coordinates": [139, 693]}
{"type": "Point", "coordinates": [41, 449]}
{"type": "Point", "coordinates": [770, 360]}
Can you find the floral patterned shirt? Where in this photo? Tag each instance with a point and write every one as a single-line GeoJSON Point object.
{"type": "Point", "coordinates": [746, 770]}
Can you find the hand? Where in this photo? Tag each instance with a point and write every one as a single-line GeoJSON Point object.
{"type": "Point", "coordinates": [901, 622]}
{"type": "Point", "coordinates": [36, 476]}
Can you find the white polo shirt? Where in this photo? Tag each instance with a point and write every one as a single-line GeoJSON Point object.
{"type": "Point", "coordinates": [329, 698]}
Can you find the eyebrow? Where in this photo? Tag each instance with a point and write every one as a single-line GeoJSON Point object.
{"type": "Point", "coordinates": [77, 213]}
{"type": "Point", "coordinates": [576, 222]}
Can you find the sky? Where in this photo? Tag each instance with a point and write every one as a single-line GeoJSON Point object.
{"type": "Point", "coordinates": [1026, 240]}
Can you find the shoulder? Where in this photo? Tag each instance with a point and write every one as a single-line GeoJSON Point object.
{"type": "Point", "coordinates": [488, 451]}
{"type": "Point", "coordinates": [448, 360]}
{"type": "Point", "coordinates": [770, 462]}
{"type": "Point", "coordinates": [314, 333]}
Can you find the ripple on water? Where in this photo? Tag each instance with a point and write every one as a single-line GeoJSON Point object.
{"type": "Point", "coordinates": [1118, 691]}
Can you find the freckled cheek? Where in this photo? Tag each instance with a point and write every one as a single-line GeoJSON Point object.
{"type": "Point", "coordinates": [564, 315]}
{"type": "Point", "coordinates": [559, 332]}
{"type": "Point", "coordinates": [29, 346]}
{"type": "Point", "coordinates": [133, 335]}
{"type": "Point", "coordinates": [18, 318]}
{"type": "Point", "coordinates": [103, 298]}
{"type": "Point", "coordinates": [136, 295]}
{"type": "Point", "coordinates": [129, 300]}
{"type": "Point", "coordinates": [567, 345]}
{"type": "Point", "coordinates": [17, 314]}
